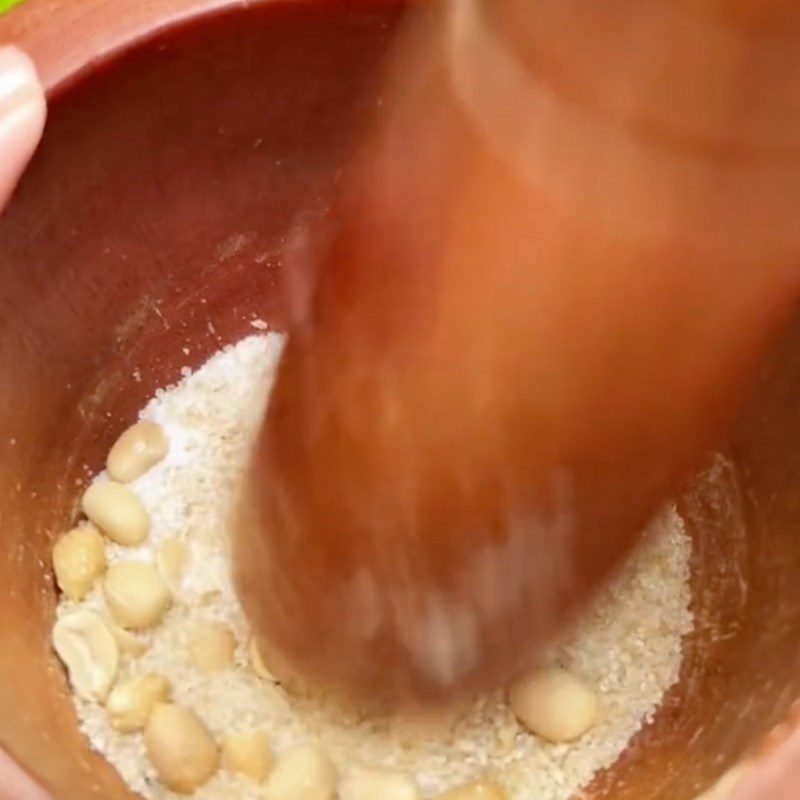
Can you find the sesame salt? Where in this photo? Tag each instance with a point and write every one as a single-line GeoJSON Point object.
{"type": "Point", "coordinates": [628, 647]}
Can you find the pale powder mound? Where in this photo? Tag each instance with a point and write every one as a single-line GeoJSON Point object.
{"type": "Point", "coordinates": [628, 647]}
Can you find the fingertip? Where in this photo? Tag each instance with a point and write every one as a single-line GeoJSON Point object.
{"type": "Point", "coordinates": [23, 109]}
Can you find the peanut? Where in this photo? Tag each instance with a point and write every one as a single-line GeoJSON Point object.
{"type": "Point", "coordinates": [477, 790]}
{"type": "Point", "coordinates": [128, 643]}
{"type": "Point", "coordinates": [302, 773]}
{"type": "Point", "coordinates": [136, 594]}
{"type": "Point", "coordinates": [131, 702]}
{"type": "Point", "coordinates": [554, 704]}
{"type": "Point", "coordinates": [136, 451]}
{"type": "Point", "coordinates": [212, 647]}
{"type": "Point", "coordinates": [180, 747]}
{"type": "Point", "coordinates": [368, 784]}
{"type": "Point", "coordinates": [117, 511]}
{"type": "Point", "coordinates": [79, 559]}
{"type": "Point", "coordinates": [88, 650]}
{"type": "Point", "coordinates": [171, 561]}
{"type": "Point", "coordinates": [248, 754]}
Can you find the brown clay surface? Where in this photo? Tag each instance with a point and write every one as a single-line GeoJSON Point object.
{"type": "Point", "coordinates": [166, 185]}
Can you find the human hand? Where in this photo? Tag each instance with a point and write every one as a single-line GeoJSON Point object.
{"type": "Point", "coordinates": [22, 113]}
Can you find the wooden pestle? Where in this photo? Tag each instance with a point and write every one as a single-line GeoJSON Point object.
{"type": "Point", "coordinates": [549, 279]}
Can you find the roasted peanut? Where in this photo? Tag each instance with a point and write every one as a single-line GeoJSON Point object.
{"type": "Point", "coordinates": [171, 560]}
{"type": "Point", "coordinates": [302, 773]}
{"type": "Point", "coordinates": [212, 647]}
{"type": "Point", "coordinates": [79, 559]}
{"type": "Point", "coordinates": [88, 650]}
{"type": "Point", "coordinates": [128, 643]}
{"type": "Point", "coordinates": [131, 702]}
{"type": "Point", "coordinates": [477, 790]}
{"type": "Point", "coordinates": [117, 511]}
{"type": "Point", "coordinates": [554, 704]}
{"type": "Point", "coordinates": [369, 784]}
{"type": "Point", "coordinates": [136, 594]}
{"type": "Point", "coordinates": [180, 747]}
{"type": "Point", "coordinates": [248, 754]}
{"type": "Point", "coordinates": [136, 451]}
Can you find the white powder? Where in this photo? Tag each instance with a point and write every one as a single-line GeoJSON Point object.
{"type": "Point", "coordinates": [628, 647]}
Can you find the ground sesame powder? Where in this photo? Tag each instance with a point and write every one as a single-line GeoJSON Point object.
{"type": "Point", "coordinates": [628, 646]}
